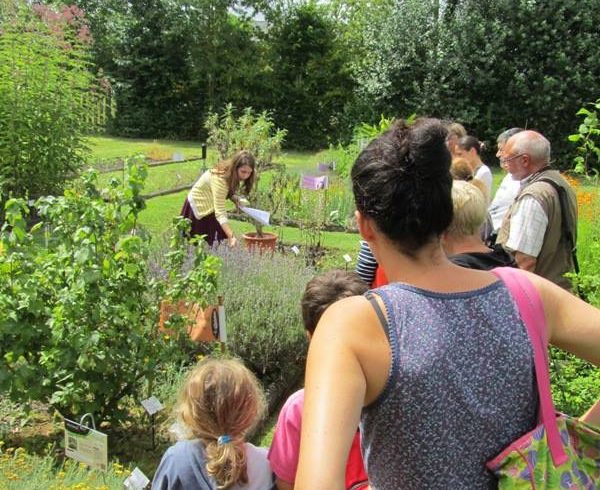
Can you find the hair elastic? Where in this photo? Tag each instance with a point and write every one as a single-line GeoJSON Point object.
{"type": "Point", "coordinates": [224, 439]}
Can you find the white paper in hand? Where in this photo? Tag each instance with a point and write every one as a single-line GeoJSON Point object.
{"type": "Point", "coordinates": [258, 214]}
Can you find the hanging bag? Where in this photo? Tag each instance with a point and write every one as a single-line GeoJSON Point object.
{"type": "Point", "coordinates": [562, 452]}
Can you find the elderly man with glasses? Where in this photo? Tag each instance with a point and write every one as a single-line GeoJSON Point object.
{"type": "Point", "coordinates": [538, 228]}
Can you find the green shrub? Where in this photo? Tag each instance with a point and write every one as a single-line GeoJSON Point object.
{"type": "Point", "coordinates": [78, 303]}
{"type": "Point", "coordinates": [250, 131]}
{"type": "Point", "coordinates": [575, 383]}
{"type": "Point", "coordinates": [587, 160]}
{"type": "Point", "coordinates": [45, 100]}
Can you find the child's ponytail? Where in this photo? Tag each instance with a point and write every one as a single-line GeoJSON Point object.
{"type": "Point", "coordinates": [221, 403]}
{"type": "Point", "coordinates": [226, 463]}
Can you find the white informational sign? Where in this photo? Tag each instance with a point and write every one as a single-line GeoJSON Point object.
{"type": "Point", "coordinates": [347, 258]}
{"type": "Point", "coordinates": [86, 445]}
{"type": "Point", "coordinates": [137, 480]}
{"type": "Point", "coordinates": [258, 214]}
{"type": "Point", "coordinates": [222, 327]}
{"type": "Point", "coordinates": [152, 405]}
{"type": "Point", "coordinates": [178, 157]}
{"type": "Point", "coordinates": [296, 250]}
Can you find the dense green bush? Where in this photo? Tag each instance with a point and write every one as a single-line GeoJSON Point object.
{"type": "Point", "coordinates": [45, 100]}
{"type": "Point", "coordinates": [488, 64]}
{"type": "Point", "coordinates": [311, 83]}
{"type": "Point", "coordinates": [78, 303]}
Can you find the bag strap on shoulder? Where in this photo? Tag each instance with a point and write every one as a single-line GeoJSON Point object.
{"type": "Point", "coordinates": [531, 310]}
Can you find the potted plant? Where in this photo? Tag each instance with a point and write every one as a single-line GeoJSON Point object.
{"type": "Point", "coordinates": [260, 240]}
{"type": "Point", "coordinates": [189, 287]}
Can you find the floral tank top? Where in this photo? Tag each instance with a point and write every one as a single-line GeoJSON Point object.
{"type": "Point", "coordinates": [460, 389]}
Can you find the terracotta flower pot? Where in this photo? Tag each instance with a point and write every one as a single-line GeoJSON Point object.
{"type": "Point", "coordinates": [261, 243]}
{"type": "Point", "coordinates": [200, 320]}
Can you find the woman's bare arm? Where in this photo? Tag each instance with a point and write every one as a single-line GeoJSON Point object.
{"type": "Point", "coordinates": [347, 366]}
{"type": "Point", "coordinates": [573, 325]}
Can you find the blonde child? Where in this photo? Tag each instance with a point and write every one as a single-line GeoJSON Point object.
{"type": "Point", "coordinates": [220, 404]}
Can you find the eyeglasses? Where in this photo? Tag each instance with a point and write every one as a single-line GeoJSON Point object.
{"type": "Point", "coordinates": [505, 159]}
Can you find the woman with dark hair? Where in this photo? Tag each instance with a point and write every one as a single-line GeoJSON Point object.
{"type": "Point", "coordinates": [437, 365]}
{"type": "Point", "coordinates": [469, 148]}
{"type": "Point", "coordinates": [205, 203]}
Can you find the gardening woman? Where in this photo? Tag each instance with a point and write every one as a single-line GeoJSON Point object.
{"type": "Point", "coordinates": [220, 404]}
{"type": "Point", "coordinates": [205, 203]}
{"type": "Point", "coordinates": [437, 366]}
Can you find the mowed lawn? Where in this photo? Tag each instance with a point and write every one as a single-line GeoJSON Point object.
{"type": "Point", "coordinates": [160, 211]}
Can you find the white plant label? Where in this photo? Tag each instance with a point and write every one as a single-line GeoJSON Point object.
{"type": "Point", "coordinates": [152, 405]}
{"type": "Point", "coordinates": [347, 258]}
{"type": "Point", "coordinates": [222, 326]}
{"type": "Point", "coordinates": [296, 250]}
{"type": "Point", "coordinates": [137, 480]}
{"type": "Point", "coordinates": [86, 445]}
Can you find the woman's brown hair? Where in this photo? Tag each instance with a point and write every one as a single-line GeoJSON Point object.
{"type": "Point", "coordinates": [228, 169]}
{"type": "Point", "coordinates": [221, 403]}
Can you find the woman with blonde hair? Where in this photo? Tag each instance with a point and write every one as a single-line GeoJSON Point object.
{"type": "Point", "coordinates": [462, 240]}
{"type": "Point", "coordinates": [220, 405]}
{"type": "Point", "coordinates": [205, 203]}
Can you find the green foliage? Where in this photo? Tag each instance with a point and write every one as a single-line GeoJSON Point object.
{"type": "Point", "coordinates": [365, 131]}
{"type": "Point", "coordinates": [78, 303]}
{"type": "Point", "coordinates": [588, 137]}
{"type": "Point", "coordinates": [45, 100]}
{"type": "Point", "coordinates": [490, 65]}
{"type": "Point", "coordinates": [311, 82]}
{"type": "Point", "coordinates": [153, 85]}
{"type": "Point", "coordinates": [575, 383]}
{"type": "Point", "coordinates": [250, 131]}
{"type": "Point", "coordinates": [262, 302]}
{"type": "Point", "coordinates": [20, 470]}
{"type": "Point", "coordinates": [172, 62]}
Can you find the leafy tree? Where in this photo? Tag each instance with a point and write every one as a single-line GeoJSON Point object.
{"type": "Point", "coordinates": [153, 89]}
{"type": "Point", "coordinates": [488, 64]}
{"type": "Point", "coordinates": [45, 100]}
{"type": "Point", "coordinates": [311, 82]}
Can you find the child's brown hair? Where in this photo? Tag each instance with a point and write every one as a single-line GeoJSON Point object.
{"type": "Point", "coordinates": [221, 403]}
{"type": "Point", "coordinates": [324, 290]}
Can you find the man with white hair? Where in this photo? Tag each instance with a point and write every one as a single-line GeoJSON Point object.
{"type": "Point", "coordinates": [540, 228]}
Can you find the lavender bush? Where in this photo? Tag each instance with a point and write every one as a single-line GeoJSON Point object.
{"type": "Point", "coordinates": [262, 303]}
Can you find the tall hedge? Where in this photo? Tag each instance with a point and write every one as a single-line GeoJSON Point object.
{"type": "Point", "coordinates": [488, 64]}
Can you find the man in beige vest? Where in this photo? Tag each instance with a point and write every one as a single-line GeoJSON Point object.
{"type": "Point", "coordinates": [533, 226]}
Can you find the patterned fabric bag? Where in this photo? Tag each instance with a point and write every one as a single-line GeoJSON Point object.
{"type": "Point", "coordinates": [561, 452]}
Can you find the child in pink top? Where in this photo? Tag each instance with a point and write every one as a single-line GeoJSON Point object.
{"type": "Point", "coordinates": [321, 291]}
